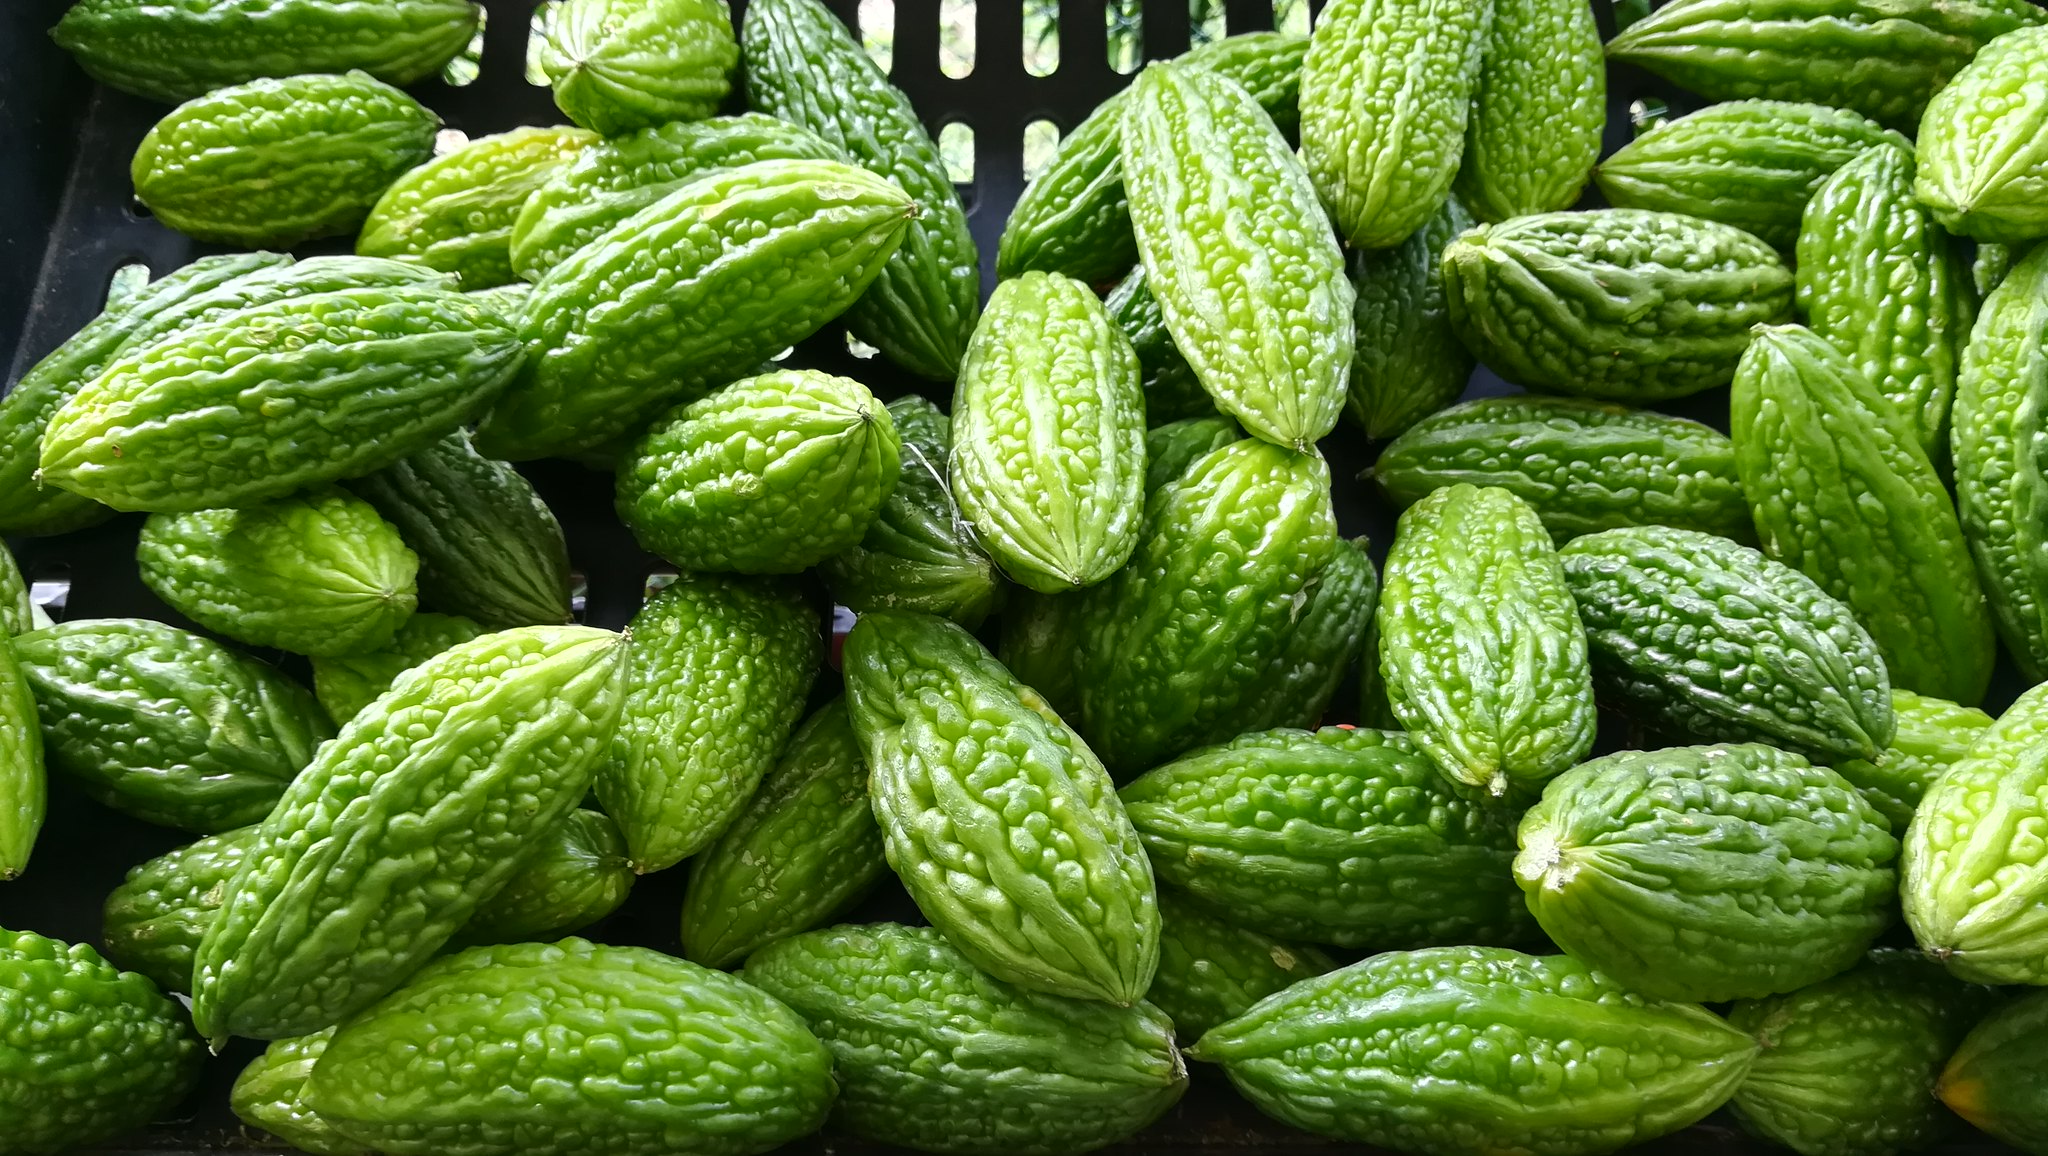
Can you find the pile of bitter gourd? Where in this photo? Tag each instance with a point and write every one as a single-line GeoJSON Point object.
{"type": "Point", "coordinates": [1128, 848]}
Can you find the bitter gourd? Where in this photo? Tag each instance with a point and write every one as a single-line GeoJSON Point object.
{"type": "Point", "coordinates": [1454, 1050]}
{"type": "Point", "coordinates": [804, 66]}
{"type": "Point", "coordinates": [270, 1094]}
{"type": "Point", "coordinates": [919, 554]}
{"type": "Point", "coordinates": [1983, 143]}
{"type": "Point", "coordinates": [27, 506]}
{"type": "Point", "coordinates": [1994, 1079]}
{"type": "Point", "coordinates": [1618, 304]}
{"type": "Point", "coordinates": [1329, 633]}
{"type": "Point", "coordinates": [1708, 873]}
{"type": "Point", "coordinates": [613, 179]}
{"type": "Point", "coordinates": [517, 1050]}
{"type": "Point", "coordinates": [1238, 253]}
{"type": "Point", "coordinates": [275, 398]}
{"type": "Point", "coordinates": [1847, 1067]}
{"type": "Point", "coordinates": [22, 781]}
{"type": "Point", "coordinates": [1931, 736]}
{"type": "Point", "coordinates": [1974, 880]}
{"type": "Point", "coordinates": [1882, 58]}
{"type": "Point", "coordinates": [2000, 479]}
{"type": "Point", "coordinates": [1480, 643]}
{"type": "Point", "coordinates": [173, 50]}
{"type": "Point", "coordinates": [1171, 391]}
{"type": "Point", "coordinates": [87, 1052]}
{"type": "Point", "coordinates": [1581, 465]}
{"type": "Point", "coordinates": [1172, 647]}
{"type": "Point", "coordinates": [424, 805]}
{"type": "Point", "coordinates": [1041, 646]}
{"type": "Point", "coordinates": [489, 547]}
{"type": "Point", "coordinates": [347, 683]}
{"type": "Point", "coordinates": [1537, 110]}
{"type": "Point", "coordinates": [1048, 457]}
{"type": "Point", "coordinates": [455, 213]}
{"type": "Point", "coordinates": [1386, 93]}
{"type": "Point", "coordinates": [720, 670]}
{"type": "Point", "coordinates": [1211, 971]}
{"type": "Point", "coordinates": [1810, 431]}
{"type": "Point", "coordinates": [996, 816]}
{"type": "Point", "coordinates": [319, 573]}
{"type": "Point", "coordinates": [1340, 836]}
{"type": "Point", "coordinates": [770, 475]}
{"type": "Point", "coordinates": [275, 162]}
{"type": "Point", "coordinates": [1074, 218]}
{"type": "Point", "coordinates": [1752, 164]}
{"type": "Point", "coordinates": [670, 303]}
{"type": "Point", "coordinates": [1409, 361]}
{"type": "Point", "coordinates": [575, 875]}
{"type": "Point", "coordinates": [1709, 638]}
{"type": "Point", "coordinates": [620, 65]}
{"type": "Point", "coordinates": [1878, 278]}
{"type": "Point", "coordinates": [167, 726]}
{"type": "Point", "coordinates": [803, 849]}
{"type": "Point", "coordinates": [153, 922]}
{"type": "Point", "coordinates": [1991, 263]}
{"type": "Point", "coordinates": [1171, 448]}
{"type": "Point", "coordinates": [936, 1055]}
{"type": "Point", "coordinates": [17, 610]}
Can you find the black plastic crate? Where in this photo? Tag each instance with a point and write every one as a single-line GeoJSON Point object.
{"type": "Point", "coordinates": [68, 222]}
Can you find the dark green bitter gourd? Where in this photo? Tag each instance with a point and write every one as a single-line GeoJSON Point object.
{"type": "Point", "coordinates": [620, 65]}
{"type": "Point", "coordinates": [1211, 970]}
{"type": "Point", "coordinates": [1172, 392]}
{"type": "Point", "coordinates": [1171, 448]}
{"type": "Point", "coordinates": [1410, 362]}
{"type": "Point", "coordinates": [1993, 1079]}
{"type": "Point", "coordinates": [347, 683]}
{"type": "Point", "coordinates": [1040, 645]}
{"type": "Point", "coordinates": [574, 875]}
{"type": "Point", "coordinates": [153, 922]}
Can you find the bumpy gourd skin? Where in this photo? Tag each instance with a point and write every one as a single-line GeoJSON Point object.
{"type": "Point", "coordinates": [270, 1094]}
{"type": "Point", "coordinates": [87, 1052]}
{"type": "Point", "coordinates": [1708, 638]}
{"type": "Point", "coordinates": [1882, 58]}
{"type": "Point", "coordinates": [1994, 1078]}
{"type": "Point", "coordinates": [1708, 873]}
{"type": "Point", "coordinates": [1975, 878]}
{"type": "Point", "coordinates": [347, 683]}
{"type": "Point", "coordinates": [694, 291]}
{"type": "Point", "coordinates": [165, 725]}
{"type": "Point", "coordinates": [721, 668]}
{"type": "Point", "coordinates": [17, 611]}
{"type": "Point", "coordinates": [999, 820]}
{"type": "Point", "coordinates": [1581, 465]}
{"type": "Point", "coordinates": [1878, 278]}
{"type": "Point", "coordinates": [1041, 644]}
{"type": "Point", "coordinates": [275, 398]}
{"type": "Point", "coordinates": [804, 65]}
{"type": "Point", "coordinates": [1073, 217]}
{"type": "Point", "coordinates": [1983, 144]}
{"type": "Point", "coordinates": [2000, 478]}
{"type": "Point", "coordinates": [935, 1055]}
{"type": "Point", "coordinates": [1386, 90]}
{"type": "Point", "coordinates": [1171, 391]}
{"type": "Point", "coordinates": [425, 804]}
{"type": "Point", "coordinates": [22, 781]}
{"type": "Point", "coordinates": [1329, 634]}
{"type": "Point", "coordinates": [1238, 253]}
{"type": "Point", "coordinates": [1048, 456]}
{"type": "Point", "coordinates": [317, 574]}
{"type": "Point", "coordinates": [1409, 361]}
{"type": "Point", "coordinates": [277, 161]}
{"type": "Point", "coordinates": [1751, 164]}
{"type": "Point", "coordinates": [26, 505]}
{"type": "Point", "coordinates": [620, 65]}
{"type": "Point", "coordinates": [1174, 646]}
{"type": "Point", "coordinates": [1932, 735]}
{"type": "Point", "coordinates": [1847, 1066]}
{"type": "Point", "coordinates": [1537, 112]}
{"type": "Point", "coordinates": [1340, 836]}
{"type": "Point", "coordinates": [1991, 263]}
{"type": "Point", "coordinates": [770, 475]}
{"type": "Point", "coordinates": [803, 849]}
{"type": "Point", "coordinates": [153, 922]}
{"type": "Point", "coordinates": [1211, 971]}
{"type": "Point", "coordinates": [1171, 448]}
{"type": "Point", "coordinates": [920, 553]}
{"type": "Point", "coordinates": [1455, 1050]}
{"type": "Point", "coordinates": [489, 547]}
{"type": "Point", "coordinates": [1843, 493]}
{"type": "Point", "coordinates": [1480, 642]}
{"type": "Point", "coordinates": [517, 1049]}
{"type": "Point", "coordinates": [455, 213]}
{"type": "Point", "coordinates": [615, 178]}
{"type": "Point", "coordinates": [174, 50]}
{"type": "Point", "coordinates": [575, 875]}
{"type": "Point", "coordinates": [1618, 304]}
